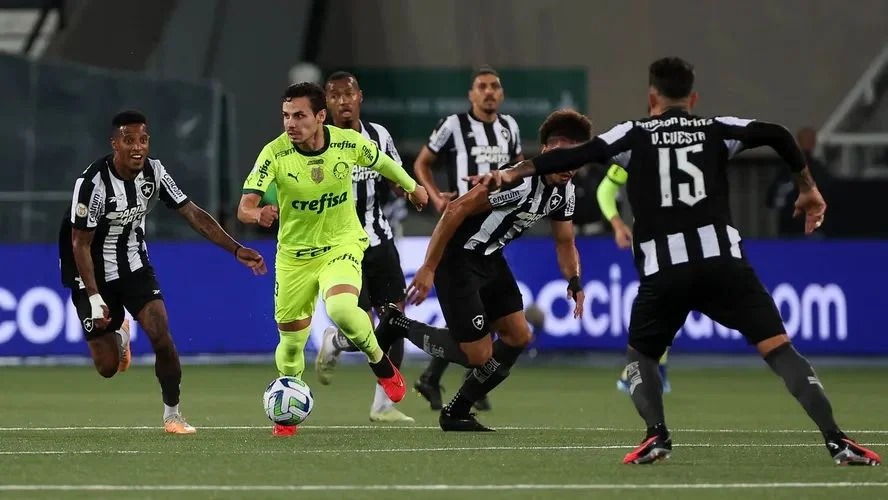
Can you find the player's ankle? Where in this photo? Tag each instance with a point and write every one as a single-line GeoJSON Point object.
{"type": "Point", "coordinates": [659, 430]}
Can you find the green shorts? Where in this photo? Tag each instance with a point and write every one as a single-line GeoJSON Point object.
{"type": "Point", "coordinates": [299, 282]}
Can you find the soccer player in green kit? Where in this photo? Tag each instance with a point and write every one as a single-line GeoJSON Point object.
{"type": "Point", "coordinates": [320, 240]}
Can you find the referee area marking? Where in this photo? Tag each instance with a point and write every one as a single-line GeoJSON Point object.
{"type": "Point", "coordinates": [436, 487]}
{"type": "Point", "coordinates": [384, 427]}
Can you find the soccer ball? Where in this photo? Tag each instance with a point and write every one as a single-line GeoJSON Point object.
{"type": "Point", "coordinates": [288, 401]}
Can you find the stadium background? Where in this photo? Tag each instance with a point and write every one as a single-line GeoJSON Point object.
{"type": "Point", "coordinates": [208, 74]}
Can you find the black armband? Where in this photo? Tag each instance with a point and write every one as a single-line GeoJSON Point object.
{"type": "Point", "coordinates": [574, 285]}
{"type": "Point", "coordinates": [239, 246]}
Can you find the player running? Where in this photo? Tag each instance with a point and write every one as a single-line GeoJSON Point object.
{"type": "Point", "coordinates": [688, 253]}
{"type": "Point", "coordinates": [469, 143]}
{"type": "Point", "coordinates": [320, 241]}
{"type": "Point", "coordinates": [383, 279]}
{"type": "Point", "coordinates": [104, 257]}
{"type": "Point", "coordinates": [476, 288]}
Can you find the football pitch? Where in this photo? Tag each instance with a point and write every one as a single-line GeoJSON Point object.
{"type": "Point", "coordinates": [562, 432]}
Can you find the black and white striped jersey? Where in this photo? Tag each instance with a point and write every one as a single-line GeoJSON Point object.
{"type": "Point", "coordinates": [678, 185]}
{"type": "Point", "coordinates": [115, 209]}
{"type": "Point", "coordinates": [471, 146]}
{"type": "Point", "coordinates": [514, 210]}
{"type": "Point", "coordinates": [371, 188]}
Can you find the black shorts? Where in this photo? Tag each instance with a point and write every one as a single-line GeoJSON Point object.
{"type": "Point", "coordinates": [383, 279]}
{"type": "Point", "coordinates": [131, 292]}
{"type": "Point", "coordinates": [474, 291]}
{"type": "Point", "coordinates": [725, 289]}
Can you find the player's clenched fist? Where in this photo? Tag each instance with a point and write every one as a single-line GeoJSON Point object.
{"type": "Point", "coordinates": [419, 197]}
{"type": "Point", "coordinates": [267, 215]}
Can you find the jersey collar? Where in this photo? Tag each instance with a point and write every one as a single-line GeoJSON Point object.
{"type": "Point", "coordinates": [320, 151]}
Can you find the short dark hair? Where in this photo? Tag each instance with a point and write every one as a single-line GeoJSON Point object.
{"type": "Point", "coordinates": [673, 77]}
{"type": "Point", "coordinates": [566, 123]}
{"type": "Point", "coordinates": [128, 117]}
{"type": "Point", "coordinates": [341, 75]}
{"type": "Point", "coordinates": [483, 70]}
{"type": "Point", "coordinates": [312, 91]}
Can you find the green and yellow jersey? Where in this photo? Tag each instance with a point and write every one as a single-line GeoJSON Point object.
{"type": "Point", "coordinates": [314, 188]}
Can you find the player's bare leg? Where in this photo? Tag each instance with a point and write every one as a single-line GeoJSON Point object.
{"type": "Point", "coordinates": [105, 351]}
{"type": "Point", "coordinates": [805, 386]}
{"type": "Point", "coordinates": [153, 319]}
{"type": "Point", "coordinates": [341, 302]}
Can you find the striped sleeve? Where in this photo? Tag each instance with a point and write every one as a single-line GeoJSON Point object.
{"type": "Point", "coordinates": [170, 194]}
{"type": "Point", "coordinates": [566, 212]}
{"type": "Point", "coordinates": [387, 143]}
{"type": "Point", "coordinates": [515, 145]}
{"type": "Point", "coordinates": [443, 134]}
{"type": "Point", "coordinates": [87, 203]}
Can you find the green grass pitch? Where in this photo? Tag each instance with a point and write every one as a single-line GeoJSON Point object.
{"type": "Point", "coordinates": [562, 431]}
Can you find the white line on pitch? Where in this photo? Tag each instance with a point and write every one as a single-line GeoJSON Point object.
{"type": "Point", "coordinates": [383, 427]}
{"type": "Point", "coordinates": [433, 487]}
{"type": "Point", "coordinates": [410, 450]}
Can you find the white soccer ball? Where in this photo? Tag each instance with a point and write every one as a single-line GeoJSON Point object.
{"type": "Point", "coordinates": [288, 401]}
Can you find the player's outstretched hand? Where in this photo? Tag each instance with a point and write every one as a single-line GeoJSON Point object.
{"type": "Point", "coordinates": [622, 235]}
{"type": "Point", "coordinates": [812, 205]}
{"type": "Point", "coordinates": [267, 215]}
{"type": "Point", "coordinates": [420, 286]}
{"type": "Point", "coordinates": [575, 292]}
{"type": "Point", "coordinates": [99, 312]}
{"type": "Point", "coordinates": [252, 259]}
{"type": "Point", "coordinates": [419, 197]}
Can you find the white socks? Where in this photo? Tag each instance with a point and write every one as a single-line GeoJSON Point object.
{"type": "Point", "coordinates": [380, 400]}
{"type": "Point", "coordinates": [169, 411]}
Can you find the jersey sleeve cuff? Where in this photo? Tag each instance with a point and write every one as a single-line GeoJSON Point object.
{"type": "Point", "coordinates": [252, 191]}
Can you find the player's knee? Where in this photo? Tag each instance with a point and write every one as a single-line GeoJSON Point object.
{"type": "Point", "coordinates": [162, 343]}
{"type": "Point", "coordinates": [519, 337]}
{"type": "Point", "coordinates": [342, 307]}
{"type": "Point", "coordinates": [650, 349]}
{"type": "Point", "coordinates": [478, 354]}
{"type": "Point", "coordinates": [106, 369]}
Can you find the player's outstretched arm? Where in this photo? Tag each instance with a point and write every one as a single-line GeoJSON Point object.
{"type": "Point", "coordinates": [473, 202]}
{"type": "Point", "coordinates": [569, 262]}
{"type": "Point", "coordinates": [82, 242]}
{"type": "Point", "coordinates": [209, 228]}
{"type": "Point", "coordinates": [753, 134]}
{"type": "Point", "coordinates": [390, 169]}
{"type": "Point", "coordinates": [557, 160]}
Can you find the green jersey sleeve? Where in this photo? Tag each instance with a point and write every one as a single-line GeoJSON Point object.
{"type": "Point", "coordinates": [263, 173]}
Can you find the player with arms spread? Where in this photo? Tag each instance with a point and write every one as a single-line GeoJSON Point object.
{"type": "Point", "coordinates": [476, 288]}
{"type": "Point", "coordinates": [320, 241]}
{"type": "Point", "coordinates": [104, 258]}
{"type": "Point", "coordinates": [687, 252]}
